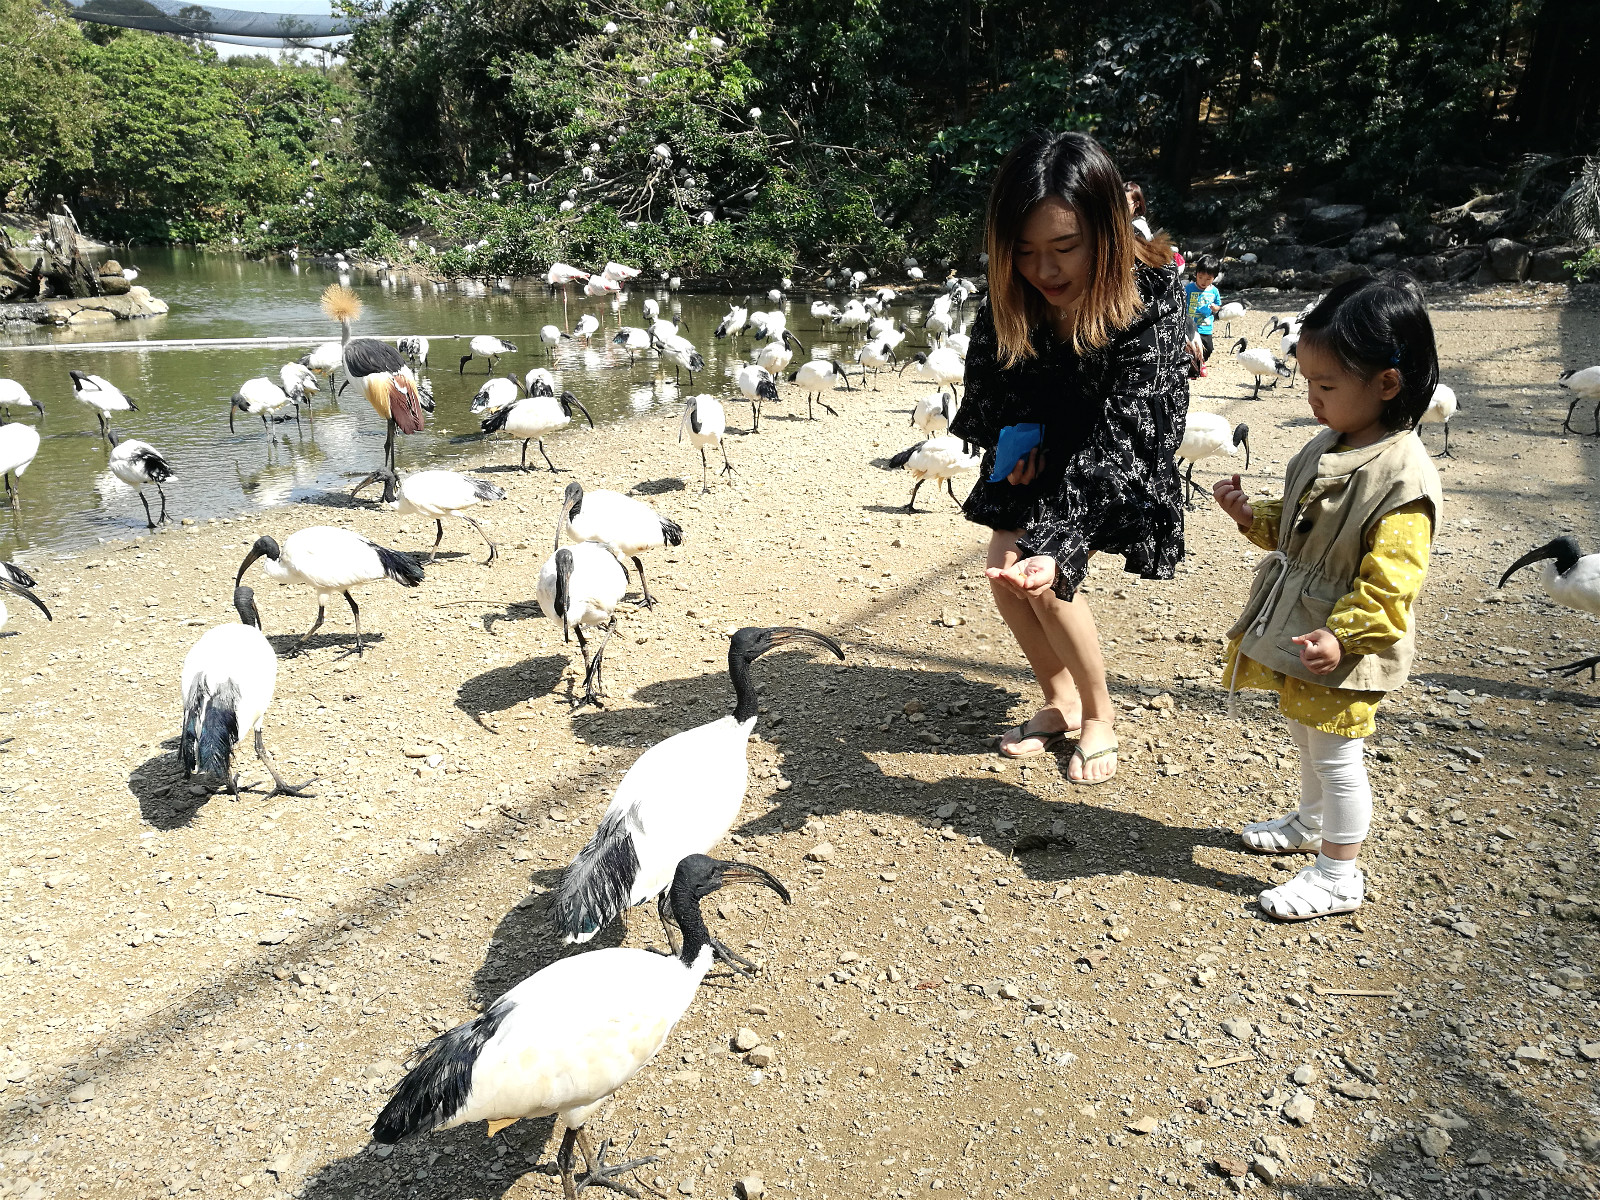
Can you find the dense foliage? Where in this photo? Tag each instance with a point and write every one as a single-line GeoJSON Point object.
{"type": "Point", "coordinates": [748, 137]}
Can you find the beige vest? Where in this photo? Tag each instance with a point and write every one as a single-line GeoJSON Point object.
{"type": "Point", "coordinates": [1330, 502]}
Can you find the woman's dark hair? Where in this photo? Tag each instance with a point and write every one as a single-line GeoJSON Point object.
{"type": "Point", "coordinates": [1136, 200]}
{"type": "Point", "coordinates": [1073, 168]}
{"type": "Point", "coordinates": [1207, 264]}
{"type": "Point", "coordinates": [1378, 323]}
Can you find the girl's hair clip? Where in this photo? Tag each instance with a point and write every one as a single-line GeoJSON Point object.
{"type": "Point", "coordinates": [1394, 359]}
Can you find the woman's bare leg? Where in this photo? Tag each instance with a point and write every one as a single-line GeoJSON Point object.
{"type": "Point", "coordinates": [1075, 641]}
{"type": "Point", "coordinates": [1061, 706]}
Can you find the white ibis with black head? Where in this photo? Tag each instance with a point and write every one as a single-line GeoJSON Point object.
{"type": "Point", "coordinates": [623, 525]}
{"type": "Point", "coordinates": [1260, 362]}
{"type": "Point", "coordinates": [940, 366]}
{"type": "Point", "coordinates": [486, 346]}
{"type": "Point", "coordinates": [500, 392]}
{"type": "Point", "coordinates": [299, 383]}
{"type": "Point", "coordinates": [227, 683]}
{"type": "Point", "coordinates": [1572, 579]}
{"type": "Point", "coordinates": [564, 1040]}
{"type": "Point", "coordinates": [19, 446]}
{"type": "Point", "coordinates": [588, 326]}
{"type": "Point", "coordinates": [13, 394]}
{"type": "Point", "coordinates": [260, 397]}
{"type": "Point", "coordinates": [680, 797]}
{"type": "Point", "coordinates": [756, 385]}
{"type": "Point", "coordinates": [440, 494]}
{"type": "Point", "coordinates": [875, 356]}
{"type": "Point", "coordinates": [680, 352]}
{"type": "Point", "coordinates": [532, 418]}
{"type": "Point", "coordinates": [1441, 410]}
{"type": "Point", "coordinates": [18, 582]}
{"type": "Point", "coordinates": [137, 464]}
{"type": "Point", "coordinates": [414, 349]}
{"type": "Point", "coordinates": [940, 459]}
{"type": "Point", "coordinates": [775, 357]}
{"type": "Point", "coordinates": [734, 323]}
{"type": "Point", "coordinates": [817, 377]}
{"type": "Point", "coordinates": [101, 395]}
{"type": "Point", "coordinates": [331, 562]}
{"type": "Point", "coordinates": [1207, 435]}
{"type": "Point", "coordinates": [933, 413]}
{"type": "Point", "coordinates": [707, 425]}
{"type": "Point", "coordinates": [1584, 384]}
{"type": "Point", "coordinates": [581, 586]}
{"type": "Point", "coordinates": [539, 382]}
{"type": "Point", "coordinates": [633, 339]}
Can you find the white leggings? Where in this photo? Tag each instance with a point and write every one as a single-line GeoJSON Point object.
{"type": "Point", "coordinates": [1335, 796]}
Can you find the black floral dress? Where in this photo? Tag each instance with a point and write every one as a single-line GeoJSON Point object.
{"type": "Point", "coordinates": [1112, 421]}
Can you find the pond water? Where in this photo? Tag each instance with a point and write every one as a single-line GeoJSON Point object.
{"type": "Point", "coordinates": [70, 499]}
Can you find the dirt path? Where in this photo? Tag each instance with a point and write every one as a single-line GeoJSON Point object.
{"type": "Point", "coordinates": [216, 996]}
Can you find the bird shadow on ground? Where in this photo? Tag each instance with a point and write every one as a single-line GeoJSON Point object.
{"type": "Point", "coordinates": [506, 687]}
{"type": "Point", "coordinates": [657, 487]}
{"type": "Point", "coordinates": [515, 610]}
{"type": "Point", "coordinates": [169, 801]}
{"type": "Point", "coordinates": [1507, 690]}
{"type": "Point", "coordinates": [289, 645]}
{"type": "Point", "coordinates": [824, 723]}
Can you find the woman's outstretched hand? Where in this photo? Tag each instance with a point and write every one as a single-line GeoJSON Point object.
{"type": "Point", "coordinates": [1027, 576]}
{"type": "Point", "coordinates": [1231, 498]}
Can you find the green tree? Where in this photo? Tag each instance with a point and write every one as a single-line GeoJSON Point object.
{"type": "Point", "coordinates": [48, 103]}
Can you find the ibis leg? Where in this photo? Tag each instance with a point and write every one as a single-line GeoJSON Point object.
{"type": "Point", "coordinates": [546, 457]}
{"type": "Point", "coordinates": [163, 518]}
{"type": "Point", "coordinates": [1597, 418]}
{"type": "Point", "coordinates": [1256, 395]}
{"type": "Point", "coordinates": [355, 611]}
{"type": "Point", "coordinates": [434, 552]}
{"type": "Point", "coordinates": [494, 551]}
{"type": "Point", "coordinates": [385, 473]}
{"type": "Point", "coordinates": [810, 415]}
{"type": "Point", "coordinates": [315, 625]}
{"type": "Point", "coordinates": [911, 504]}
{"type": "Point", "coordinates": [727, 467]}
{"type": "Point", "coordinates": [1188, 481]}
{"type": "Point", "coordinates": [950, 487]}
{"type": "Point", "coordinates": [648, 601]}
{"type": "Point", "coordinates": [1445, 453]}
{"type": "Point", "coordinates": [102, 417]}
{"type": "Point", "coordinates": [11, 492]}
{"type": "Point", "coordinates": [704, 486]}
{"type": "Point", "coordinates": [828, 406]}
{"type": "Point", "coordinates": [1566, 424]}
{"type": "Point", "coordinates": [149, 520]}
{"type": "Point", "coordinates": [588, 696]}
{"type": "Point", "coordinates": [525, 442]}
{"type": "Point", "coordinates": [598, 1174]}
{"type": "Point", "coordinates": [278, 785]}
{"type": "Point", "coordinates": [755, 409]}
{"type": "Point", "coordinates": [597, 665]}
{"type": "Point", "coordinates": [1583, 664]}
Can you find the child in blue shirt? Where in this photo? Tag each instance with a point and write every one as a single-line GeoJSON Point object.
{"type": "Point", "coordinates": [1203, 299]}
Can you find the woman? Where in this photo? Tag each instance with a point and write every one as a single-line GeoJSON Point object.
{"type": "Point", "coordinates": [1083, 333]}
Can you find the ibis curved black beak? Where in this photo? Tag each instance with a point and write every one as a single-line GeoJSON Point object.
{"type": "Point", "coordinates": [18, 590]}
{"type": "Point", "coordinates": [1241, 437]}
{"type": "Point", "coordinates": [265, 547]}
{"type": "Point", "coordinates": [237, 404]}
{"type": "Point", "coordinates": [571, 499]}
{"type": "Point", "coordinates": [244, 603]}
{"type": "Point", "coordinates": [839, 370]}
{"type": "Point", "coordinates": [737, 872]}
{"type": "Point", "coordinates": [1241, 344]}
{"type": "Point", "coordinates": [1560, 548]}
{"type": "Point", "coordinates": [563, 589]}
{"type": "Point", "coordinates": [569, 401]}
{"type": "Point", "coordinates": [782, 635]}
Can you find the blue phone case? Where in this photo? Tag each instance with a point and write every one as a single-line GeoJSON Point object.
{"type": "Point", "coordinates": [1013, 446]}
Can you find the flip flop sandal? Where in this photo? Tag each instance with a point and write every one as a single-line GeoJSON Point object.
{"type": "Point", "coordinates": [1048, 741]}
{"type": "Point", "coordinates": [1084, 761]}
{"type": "Point", "coordinates": [1281, 835]}
{"type": "Point", "coordinates": [1311, 894]}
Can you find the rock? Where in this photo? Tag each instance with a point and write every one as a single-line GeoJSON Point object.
{"type": "Point", "coordinates": [1556, 1158]}
{"type": "Point", "coordinates": [822, 852]}
{"type": "Point", "coordinates": [1344, 272]}
{"type": "Point", "coordinates": [761, 1056]}
{"type": "Point", "coordinates": [1480, 1158]}
{"type": "Point", "coordinates": [1509, 259]}
{"type": "Point", "coordinates": [1009, 992]}
{"type": "Point", "coordinates": [1265, 1169]}
{"type": "Point", "coordinates": [686, 1186]}
{"type": "Point", "coordinates": [1427, 267]}
{"type": "Point", "coordinates": [1550, 264]}
{"type": "Point", "coordinates": [1570, 978]}
{"type": "Point", "coordinates": [751, 1188]}
{"type": "Point", "coordinates": [1589, 1140]}
{"type": "Point", "coordinates": [1237, 1027]}
{"type": "Point", "coordinates": [416, 752]}
{"type": "Point", "coordinates": [1531, 1054]}
{"type": "Point", "coordinates": [1433, 1142]}
{"type": "Point", "coordinates": [913, 706]}
{"type": "Point", "coordinates": [1306, 1074]}
{"type": "Point", "coordinates": [1589, 1051]}
{"type": "Point", "coordinates": [1449, 1123]}
{"type": "Point", "coordinates": [81, 1094]}
{"type": "Point", "coordinates": [1231, 1167]}
{"type": "Point", "coordinates": [1146, 1125]}
{"type": "Point", "coordinates": [1355, 1091]}
{"type": "Point", "coordinates": [1300, 1109]}
{"type": "Point", "coordinates": [1333, 222]}
{"type": "Point", "coordinates": [746, 1039]}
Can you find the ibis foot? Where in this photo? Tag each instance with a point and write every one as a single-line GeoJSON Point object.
{"type": "Point", "coordinates": [278, 785]}
{"type": "Point", "coordinates": [598, 1174]}
{"type": "Point", "coordinates": [732, 958]}
{"type": "Point", "coordinates": [1583, 664]}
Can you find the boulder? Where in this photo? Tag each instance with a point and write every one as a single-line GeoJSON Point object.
{"type": "Point", "coordinates": [1510, 259]}
{"type": "Point", "coordinates": [1462, 263]}
{"type": "Point", "coordinates": [1429, 268]}
{"type": "Point", "coordinates": [1346, 271]}
{"type": "Point", "coordinates": [1384, 261]}
{"type": "Point", "coordinates": [1333, 222]}
{"type": "Point", "coordinates": [1550, 264]}
{"type": "Point", "coordinates": [1325, 262]}
{"type": "Point", "coordinates": [1374, 239]}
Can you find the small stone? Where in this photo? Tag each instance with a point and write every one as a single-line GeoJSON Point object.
{"type": "Point", "coordinates": [1300, 1109]}
{"type": "Point", "coordinates": [1467, 929]}
{"type": "Point", "coordinates": [1570, 978]}
{"type": "Point", "coordinates": [686, 1186]}
{"type": "Point", "coordinates": [1304, 1075]}
{"type": "Point", "coordinates": [559, 814]}
{"type": "Point", "coordinates": [81, 1094]}
{"type": "Point", "coordinates": [1355, 1090]}
{"type": "Point", "coordinates": [1433, 1142]}
{"type": "Point", "coordinates": [746, 1039]}
{"type": "Point", "coordinates": [848, 957]}
{"type": "Point", "coordinates": [1480, 1158]}
{"type": "Point", "coordinates": [1237, 1027]}
{"type": "Point", "coordinates": [1556, 1158]}
{"type": "Point", "coordinates": [913, 706]}
{"type": "Point", "coordinates": [822, 852]}
{"type": "Point", "coordinates": [1009, 992]}
{"type": "Point", "coordinates": [1589, 1051]}
{"type": "Point", "coordinates": [751, 1187]}
{"type": "Point", "coordinates": [1145, 1125]}
{"type": "Point", "coordinates": [1232, 1167]}
{"type": "Point", "coordinates": [416, 752]}
{"type": "Point", "coordinates": [1532, 1054]}
{"type": "Point", "coordinates": [1265, 1169]}
{"type": "Point", "coordinates": [761, 1056]}
{"type": "Point", "coordinates": [1589, 1140]}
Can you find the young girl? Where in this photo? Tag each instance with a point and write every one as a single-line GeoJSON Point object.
{"type": "Point", "coordinates": [1329, 623]}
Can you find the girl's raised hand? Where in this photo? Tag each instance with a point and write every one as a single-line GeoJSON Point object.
{"type": "Point", "coordinates": [1029, 576]}
{"type": "Point", "coordinates": [1320, 650]}
{"type": "Point", "coordinates": [1232, 500]}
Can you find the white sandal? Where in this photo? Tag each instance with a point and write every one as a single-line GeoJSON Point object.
{"type": "Point", "coordinates": [1312, 894]}
{"type": "Point", "coordinates": [1281, 835]}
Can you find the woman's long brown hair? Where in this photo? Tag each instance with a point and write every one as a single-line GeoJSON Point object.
{"type": "Point", "coordinates": [1073, 167]}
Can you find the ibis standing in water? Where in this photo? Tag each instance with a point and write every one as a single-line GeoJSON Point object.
{"type": "Point", "coordinates": [756, 385]}
{"type": "Point", "coordinates": [440, 494]}
{"type": "Point", "coordinates": [13, 393]}
{"type": "Point", "coordinates": [19, 444]}
{"type": "Point", "coordinates": [532, 418]}
{"type": "Point", "coordinates": [680, 352]}
{"type": "Point", "coordinates": [415, 350]}
{"type": "Point", "coordinates": [18, 582]}
{"type": "Point", "coordinates": [707, 425]}
{"type": "Point", "coordinates": [564, 1040]}
{"type": "Point", "coordinates": [940, 459]}
{"type": "Point", "coordinates": [623, 525]}
{"type": "Point", "coordinates": [1572, 579]}
{"type": "Point", "coordinates": [227, 685]}
{"type": "Point", "coordinates": [1206, 435]}
{"type": "Point", "coordinates": [680, 797]}
{"type": "Point", "coordinates": [581, 586]}
{"type": "Point", "coordinates": [137, 464]}
{"type": "Point", "coordinates": [495, 394]}
{"type": "Point", "coordinates": [262, 398]}
{"type": "Point", "coordinates": [331, 561]}
{"type": "Point", "coordinates": [299, 383]}
{"type": "Point", "coordinates": [486, 346]}
{"type": "Point", "coordinates": [101, 395]}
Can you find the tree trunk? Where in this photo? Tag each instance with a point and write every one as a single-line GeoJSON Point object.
{"type": "Point", "coordinates": [1180, 150]}
{"type": "Point", "coordinates": [66, 264]}
{"type": "Point", "coordinates": [1558, 100]}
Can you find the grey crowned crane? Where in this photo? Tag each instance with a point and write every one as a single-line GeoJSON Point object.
{"type": "Point", "coordinates": [440, 494]}
{"type": "Point", "coordinates": [565, 1039]}
{"type": "Point", "coordinates": [707, 425]}
{"type": "Point", "coordinates": [1572, 579]}
{"type": "Point", "coordinates": [138, 464]}
{"type": "Point", "coordinates": [623, 525]}
{"type": "Point", "coordinates": [227, 683]}
{"type": "Point", "coordinates": [680, 797]}
{"type": "Point", "coordinates": [532, 418]}
{"type": "Point", "coordinates": [331, 562]}
{"type": "Point", "coordinates": [940, 459]}
{"type": "Point", "coordinates": [486, 346]}
{"type": "Point", "coordinates": [1584, 385]}
{"type": "Point", "coordinates": [18, 582]}
{"type": "Point", "coordinates": [1206, 435]}
{"type": "Point", "coordinates": [396, 397]}
{"type": "Point", "coordinates": [756, 385]}
{"type": "Point", "coordinates": [101, 395]}
{"type": "Point", "coordinates": [19, 445]}
{"type": "Point", "coordinates": [817, 377]}
{"type": "Point", "coordinates": [12, 394]}
{"type": "Point", "coordinates": [581, 586]}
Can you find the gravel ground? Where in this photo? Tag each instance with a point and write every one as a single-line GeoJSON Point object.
{"type": "Point", "coordinates": [989, 983]}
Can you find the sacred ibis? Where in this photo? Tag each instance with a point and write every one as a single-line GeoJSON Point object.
{"type": "Point", "coordinates": [768, 326]}
{"type": "Point", "coordinates": [874, 357]}
{"type": "Point", "coordinates": [940, 459]}
{"type": "Point", "coordinates": [933, 413]}
{"type": "Point", "coordinates": [101, 395]}
{"type": "Point", "coordinates": [1260, 362]}
{"type": "Point", "coordinates": [1571, 578]}
{"type": "Point", "coordinates": [137, 464]}
{"type": "Point", "coordinates": [533, 417]}
{"type": "Point", "coordinates": [550, 337]}
{"type": "Point", "coordinates": [1441, 410]}
{"type": "Point", "coordinates": [734, 322]}
{"type": "Point", "coordinates": [414, 349]}
{"type": "Point", "coordinates": [486, 346]}
{"type": "Point", "coordinates": [825, 313]}
{"type": "Point", "coordinates": [19, 445]}
{"type": "Point", "coordinates": [1206, 435]}
{"type": "Point", "coordinates": [18, 582]}
{"type": "Point", "coordinates": [680, 797]}
{"type": "Point", "coordinates": [227, 684]}
{"type": "Point", "coordinates": [756, 385]}
{"type": "Point", "coordinates": [440, 494]}
{"type": "Point", "coordinates": [623, 525]}
{"type": "Point", "coordinates": [854, 315]}
{"type": "Point", "coordinates": [13, 393]}
{"type": "Point", "coordinates": [581, 586]}
{"type": "Point", "coordinates": [331, 561]}
{"type": "Point", "coordinates": [564, 1040]}
{"type": "Point", "coordinates": [775, 357]}
{"type": "Point", "coordinates": [632, 339]}
{"type": "Point", "coordinates": [588, 326]}
{"type": "Point", "coordinates": [1229, 313]}
{"type": "Point", "coordinates": [706, 425]}
{"type": "Point", "coordinates": [324, 358]}
{"type": "Point", "coordinates": [299, 383]}
{"type": "Point", "coordinates": [816, 377]}
{"type": "Point", "coordinates": [259, 397]}
{"type": "Point", "coordinates": [1584, 385]}
{"type": "Point", "coordinates": [940, 366]}
{"type": "Point", "coordinates": [495, 394]}
{"type": "Point", "coordinates": [651, 309]}
{"type": "Point", "coordinates": [680, 352]}
{"type": "Point", "coordinates": [539, 382]}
